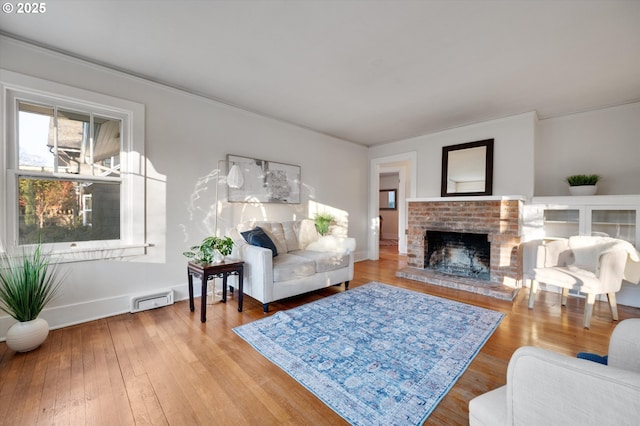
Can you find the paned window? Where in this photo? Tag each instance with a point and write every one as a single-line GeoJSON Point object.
{"type": "Point", "coordinates": [69, 161]}
{"type": "Point", "coordinates": [71, 171]}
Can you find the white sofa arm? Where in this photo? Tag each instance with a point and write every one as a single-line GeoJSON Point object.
{"type": "Point", "coordinates": [624, 346]}
{"type": "Point", "coordinates": [557, 253]}
{"type": "Point", "coordinates": [489, 409]}
{"type": "Point", "coordinates": [532, 253]}
{"type": "Point", "coordinates": [544, 387]}
{"type": "Point", "coordinates": [611, 269]}
{"type": "Point", "coordinates": [350, 244]}
{"type": "Point", "coordinates": [258, 272]}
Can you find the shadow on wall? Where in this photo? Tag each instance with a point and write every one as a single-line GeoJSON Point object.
{"type": "Point", "coordinates": [211, 213]}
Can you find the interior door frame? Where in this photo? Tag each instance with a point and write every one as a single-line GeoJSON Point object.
{"type": "Point", "coordinates": [405, 165]}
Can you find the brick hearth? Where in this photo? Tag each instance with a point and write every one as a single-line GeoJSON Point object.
{"type": "Point", "coordinates": [497, 217]}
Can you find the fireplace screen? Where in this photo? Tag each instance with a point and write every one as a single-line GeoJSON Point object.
{"type": "Point", "coordinates": [458, 253]}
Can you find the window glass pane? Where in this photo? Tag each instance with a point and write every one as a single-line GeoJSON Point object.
{"type": "Point", "coordinates": [57, 211]}
{"type": "Point", "coordinates": [570, 216]}
{"type": "Point", "coordinates": [614, 223]}
{"type": "Point", "coordinates": [387, 199]}
{"type": "Point", "coordinates": [561, 223]}
{"type": "Point", "coordinates": [392, 199]}
{"type": "Point", "coordinates": [106, 152]}
{"type": "Point", "coordinates": [73, 141]}
{"type": "Point", "coordinates": [35, 137]}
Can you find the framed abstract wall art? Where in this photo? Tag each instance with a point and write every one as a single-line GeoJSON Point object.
{"type": "Point", "coordinates": [265, 181]}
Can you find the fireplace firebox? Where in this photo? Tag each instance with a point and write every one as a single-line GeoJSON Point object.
{"type": "Point", "coordinates": [458, 253]}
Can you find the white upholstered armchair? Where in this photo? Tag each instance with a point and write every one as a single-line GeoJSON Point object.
{"type": "Point", "coordinates": [592, 265]}
{"type": "Point", "coordinates": [547, 388]}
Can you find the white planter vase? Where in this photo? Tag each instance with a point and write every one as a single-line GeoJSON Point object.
{"type": "Point", "coordinates": [28, 335]}
{"type": "Point", "coordinates": [217, 257]}
{"type": "Point", "coordinates": [583, 190]}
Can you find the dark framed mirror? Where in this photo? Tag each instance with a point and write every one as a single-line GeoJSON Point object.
{"type": "Point", "coordinates": [467, 169]}
{"type": "Point", "coordinates": [388, 199]}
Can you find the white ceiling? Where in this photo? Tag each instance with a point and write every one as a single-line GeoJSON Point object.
{"type": "Point", "coordinates": [365, 71]}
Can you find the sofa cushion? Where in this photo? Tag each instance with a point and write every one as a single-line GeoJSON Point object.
{"type": "Point", "coordinates": [567, 276]}
{"type": "Point", "coordinates": [307, 233]}
{"type": "Point", "coordinates": [275, 231]}
{"type": "Point", "coordinates": [289, 266]}
{"type": "Point", "coordinates": [291, 230]}
{"type": "Point", "coordinates": [325, 262]}
{"type": "Point", "coordinates": [257, 237]}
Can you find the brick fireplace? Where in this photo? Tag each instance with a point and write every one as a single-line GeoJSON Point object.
{"type": "Point", "coordinates": [497, 217]}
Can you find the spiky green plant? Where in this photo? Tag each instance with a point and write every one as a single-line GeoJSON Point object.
{"type": "Point", "coordinates": [580, 180]}
{"type": "Point", "coordinates": [28, 281]}
{"type": "Point", "coordinates": [322, 222]}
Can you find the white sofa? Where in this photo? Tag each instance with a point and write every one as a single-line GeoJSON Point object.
{"type": "Point", "coordinates": [547, 388]}
{"type": "Point", "coordinates": [303, 260]}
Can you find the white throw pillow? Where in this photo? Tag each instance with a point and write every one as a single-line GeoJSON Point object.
{"type": "Point", "coordinates": [307, 233]}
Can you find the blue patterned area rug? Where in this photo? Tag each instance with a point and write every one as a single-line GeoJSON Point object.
{"type": "Point", "coordinates": [376, 354]}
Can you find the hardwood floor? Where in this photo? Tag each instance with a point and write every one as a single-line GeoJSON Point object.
{"type": "Point", "coordinates": [165, 367]}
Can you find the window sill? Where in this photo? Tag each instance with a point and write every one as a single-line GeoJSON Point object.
{"type": "Point", "coordinates": [84, 254]}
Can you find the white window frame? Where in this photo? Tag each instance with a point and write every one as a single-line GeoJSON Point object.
{"type": "Point", "coordinates": [132, 240]}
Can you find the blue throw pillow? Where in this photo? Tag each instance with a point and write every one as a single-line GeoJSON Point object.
{"type": "Point", "coordinates": [594, 357]}
{"type": "Point", "coordinates": [257, 237]}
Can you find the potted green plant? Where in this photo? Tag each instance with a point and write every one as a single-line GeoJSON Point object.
{"type": "Point", "coordinates": [211, 250]}
{"type": "Point", "coordinates": [583, 184]}
{"type": "Point", "coordinates": [323, 221]}
{"type": "Point", "coordinates": [28, 281]}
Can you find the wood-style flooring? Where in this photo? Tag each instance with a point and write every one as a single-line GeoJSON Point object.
{"type": "Point", "coordinates": [164, 367]}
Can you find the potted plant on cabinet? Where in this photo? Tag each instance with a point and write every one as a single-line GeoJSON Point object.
{"type": "Point", "coordinates": [212, 250]}
{"type": "Point", "coordinates": [583, 184]}
{"type": "Point", "coordinates": [28, 281]}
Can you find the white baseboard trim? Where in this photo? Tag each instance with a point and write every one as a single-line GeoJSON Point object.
{"type": "Point", "coordinates": [359, 256]}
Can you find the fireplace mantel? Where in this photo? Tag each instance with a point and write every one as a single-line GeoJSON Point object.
{"type": "Point", "coordinates": [481, 198]}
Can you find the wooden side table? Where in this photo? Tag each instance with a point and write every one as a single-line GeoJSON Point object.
{"type": "Point", "coordinates": [207, 272]}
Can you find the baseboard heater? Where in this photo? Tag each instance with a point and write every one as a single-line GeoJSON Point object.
{"type": "Point", "coordinates": [145, 302]}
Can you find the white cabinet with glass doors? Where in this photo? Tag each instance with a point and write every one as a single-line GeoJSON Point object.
{"type": "Point", "coordinates": [616, 216]}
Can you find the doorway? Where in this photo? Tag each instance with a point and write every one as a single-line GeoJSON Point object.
{"type": "Point", "coordinates": [403, 168]}
{"type": "Point", "coordinates": [388, 209]}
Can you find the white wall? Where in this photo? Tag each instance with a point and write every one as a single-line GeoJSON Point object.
{"type": "Point", "coordinates": [186, 135]}
{"type": "Point", "coordinates": [513, 168]}
{"type": "Point", "coordinates": [604, 142]}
